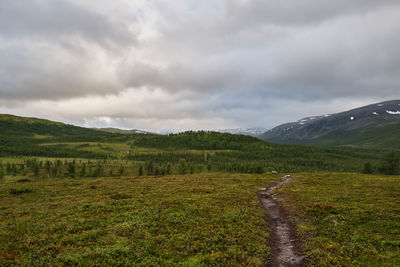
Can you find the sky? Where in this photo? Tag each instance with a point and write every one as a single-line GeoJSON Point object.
{"type": "Point", "coordinates": [178, 65]}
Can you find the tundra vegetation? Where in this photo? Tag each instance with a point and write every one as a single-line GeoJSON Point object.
{"type": "Point", "coordinates": [189, 220]}
{"type": "Point", "coordinates": [77, 196]}
{"type": "Point", "coordinates": [346, 219]}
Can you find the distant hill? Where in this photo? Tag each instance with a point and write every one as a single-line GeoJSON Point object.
{"type": "Point", "coordinates": [123, 131]}
{"type": "Point", "coordinates": [202, 140]}
{"type": "Point", "coordinates": [201, 150]}
{"type": "Point", "coordinates": [22, 136]}
{"type": "Point", "coordinates": [244, 131]}
{"type": "Point", "coordinates": [376, 125]}
{"type": "Point", "coordinates": [11, 125]}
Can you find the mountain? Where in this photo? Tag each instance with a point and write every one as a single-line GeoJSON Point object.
{"type": "Point", "coordinates": [376, 125]}
{"type": "Point", "coordinates": [244, 131]}
{"type": "Point", "coordinates": [123, 131]}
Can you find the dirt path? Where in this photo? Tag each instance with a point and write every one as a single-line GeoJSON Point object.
{"type": "Point", "coordinates": [284, 245]}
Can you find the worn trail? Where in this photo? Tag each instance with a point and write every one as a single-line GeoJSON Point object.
{"type": "Point", "coordinates": [284, 245]}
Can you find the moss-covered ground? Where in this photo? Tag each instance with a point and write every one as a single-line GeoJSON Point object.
{"type": "Point", "coordinates": [346, 219]}
{"type": "Point", "coordinates": [187, 220]}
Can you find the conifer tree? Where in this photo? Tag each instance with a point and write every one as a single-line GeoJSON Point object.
{"type": "Point", "coordinates": [35, 168]}
{"type": "Point", "coordinates": [391, 164]}
{"type": "Point", "coordinates": [83, 171]}
{"type": "Point", "coordinates": [71, 169]}
{"type": "Point", "coordinates": [47, 166]}
{"type": "Point", "coordinates": [121, 170]}
{"type": "Point", "coordinates": [140, 170]}
{"type": "Point", "coordinates": [2, 174]}
{"type": "Point", "coordinates": [149, 167]}
{"type": "Point", "coordinates": [182, 166]}
{"type": "Point", "coordinates": [367, 168]}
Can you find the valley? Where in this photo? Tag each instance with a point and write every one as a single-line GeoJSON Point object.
{"type": "Point", "coordinates": [72, 196]}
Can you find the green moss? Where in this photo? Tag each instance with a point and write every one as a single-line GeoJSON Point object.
{"type": "Point", "coordinates": [346, 219]}
{"type": "Point", "coordinates": [192, 220]}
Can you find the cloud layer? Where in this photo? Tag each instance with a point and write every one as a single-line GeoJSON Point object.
{"type": "Point", "coordinates": [208, 64]}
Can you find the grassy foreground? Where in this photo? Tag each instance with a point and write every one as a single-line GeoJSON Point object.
{"type": "Point", "coordinates": [346, 219]}
{"type": "Point", "coordinates": [188, 220]}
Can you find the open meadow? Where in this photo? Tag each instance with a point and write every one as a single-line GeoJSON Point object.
{"type": "Point", "coordinates": [187, 220]}
{"type": "Point", "coordinates": [345, 219]}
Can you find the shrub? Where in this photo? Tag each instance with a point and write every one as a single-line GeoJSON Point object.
{"type": "Point", "coordinates": [14, 191]}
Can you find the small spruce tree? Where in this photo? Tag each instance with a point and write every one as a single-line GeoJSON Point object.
{"type": "Point", "coordinates": [149, 167]}
{"type": "Point", "coordinates": [367, 168]}
{"type": "Point", "coordinates": [71, 169]}
{"type": "Point", "coordinates": [35, 169]}
{"type": "Point", "coordinates": [47, 166]}
{"type": "Point", "coordinates": [83, 171]}
{"type": "Point", "coordinates": [182, 166]}
{"type": "Point", "coordinates": [140, 170]}
{"type": "Point", "coordinates": [2, 174]}
{"type": "Point", "coordinates": [391, 164]}
{"type": "Point", "coordinates": [121, 170]}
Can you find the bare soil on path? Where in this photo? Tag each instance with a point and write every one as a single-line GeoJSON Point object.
{"type": "Point", "coordinates": [284, 244]}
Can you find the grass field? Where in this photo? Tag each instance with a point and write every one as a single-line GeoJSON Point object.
{"type": "Point", "coordinates": [187, 220]}
{"type": "Point", "coordinates": [346, 219]}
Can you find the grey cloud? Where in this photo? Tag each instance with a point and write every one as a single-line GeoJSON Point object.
{"type": "Point", "coordinates": [236, 60]}
{"type": "Point", "coordinates": [58, 50]}
{"type": "Point", "coordinates": [56, 19]}
{"type": "Point", "coordinates": [199, 76]}
{"type": "Point", "coordinates": [296, 13]}
{"type": "Point", "coordinates": [353, 57]}
{"type": "Point", "coordinates": [44, 72]}
{"type": "Point", "coordinates": [348, 56]}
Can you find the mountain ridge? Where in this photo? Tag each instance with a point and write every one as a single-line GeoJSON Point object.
{"type": "Point", "coordinates": [371, 125]}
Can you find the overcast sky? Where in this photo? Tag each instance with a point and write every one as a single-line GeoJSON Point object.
{"type": "Point", "coordinates": [167, 65]}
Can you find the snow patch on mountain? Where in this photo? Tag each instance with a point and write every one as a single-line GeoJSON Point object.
{"type": "Point", "coordinates": [393, 112]}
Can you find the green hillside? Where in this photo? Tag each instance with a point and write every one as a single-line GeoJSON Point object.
{"type": "Point", "coordinates": [21, 136]}
{"type": "Point", "coordinates": [196, 151]}
{"type": "Point", "coordinates": [387, 136]}
{"type": "Point", "coordinates": [22, 126]}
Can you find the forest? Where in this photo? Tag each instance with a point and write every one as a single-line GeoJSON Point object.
{"type": "Point", "coordinates": [46, 148]}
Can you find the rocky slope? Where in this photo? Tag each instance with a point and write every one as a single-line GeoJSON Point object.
{"type": "Point", "coordinates": [373, 125]}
